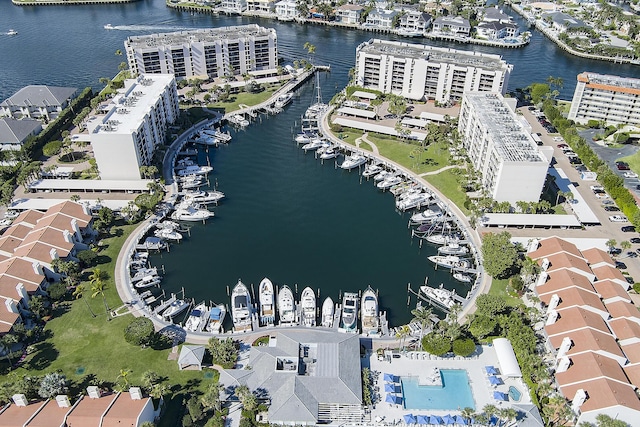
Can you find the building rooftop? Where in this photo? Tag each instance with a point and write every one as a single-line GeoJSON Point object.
{"type": "Point", "coordinates": [610, 82]}
{"type": "Point", "coordinates": [562, 279]}
{"type": "Point", "coordinates": [88, 412]}
{"type": "Point", "coordinates": [596, 256]}
{"type": "Point", "coordinates": [17, 416]}
{"type": "Point", "coordinates": [623, 309]}
{"type": "Point", "coordinates": [29, 217]}
{"type": "Point", "coordinates": [40, 95]}
{"type": "Point", "coordinates": [589, 340]}
{"type": "Point", "coordinates": [589, 366]}
{"type": "Point", "coordinates": [625, 329]}
{"type": "Point", "coordinates": [553, 245]}
{"type": "Point", "coordinates": [125, 411]}
{"type": "Point", "coordinates": [575, 296]}
{"type": "Point", "coordinates": [14, 131]}
{"type": "Point", "coordinates": [209, 35]}
{"type": "Point", "coordinates": [51, 415]}
{"type": "Point", "coordinates": [632, 351]}
{"type": "Point", "coordinates": [610, 290]}
{"type": "Point", "coordinates": [434, 54]}
{"type": "Point", "coordinates": [566, 260]}
{"type": "Point", "coordinates": [603, 393]}
{"type": "Point", "coordinates": [575, 318]}
{"type": "Point", "coordinates": [511, 141]}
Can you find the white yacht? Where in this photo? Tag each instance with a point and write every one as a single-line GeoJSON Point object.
{"type": "Point", "coordinates": [328, 310]}
{"type": "Point", "coordinates": [353, 161]}
{"type": "Point", "coordinates": [369, 312]}
{"type": "Point", "coordinates": [304, 137]}
{"type": "Point", "coordinates": [440, 296]}
{"type": "Point", "coordinates": [389, 182]}
{"type": "Point", "coordinates": [426, 216]}
{"type": "Point", "coordinates": [205, 197]}
{"type": "Point", "coordinates": [223, 137]}
{"type": "Point", "coordinates": [194, 170]}
{"type": "Point", "coordinates": [192, 181]}
{"type": "Point", "coordinates": [189, 212]}
{"type": "Point", "coordinates": [283, 100]}
{"type": "Point", "coordinates": [267, 303]}
{"type": "Point", "coordinates": [308, 307]}
{"type": "Point", "coordinates": [453, 248]}
{"type": "Point", "coordinates": [109, 27]}
{"type": "Point", "coordinates": [183, 163]}
{"type": "Point", "coordinates": [461, 277]}
{"type": "Point", "coordinates": [382, 175]}
{"type": "Point", "coordinates": [439, 238]}
{"type": "Point", "coordinates": [238, 120]}
{"type": "Point", "coordinates": [241, 308]}
{"type": "Point", "coordinates": [330, 152]}
{"type": "Point", "coordinates": [141, 273]}
{"type": "Point", "coordinates": [148, 281]}
{"type": "Point", "coordinates": [349, 311]}
{"type": "Point", "coordinates": [216, 319]}
{"type": "Point", "coordinates": [197, 318]}
{"type": "Point", "coordinates": [413, 200]}
{"type": "Point", "coordinates": [176, 307]}
{"type": "Point", "coordinates": [286, 306]}
{"type": "Point", "coordinates": [449, 261]}
{"type": "Point", "coordinates": [315, 144]}
{"type": "Point", "coordinates": [371, 169]}
{"type": "Point", "coordinates": [168, 234]}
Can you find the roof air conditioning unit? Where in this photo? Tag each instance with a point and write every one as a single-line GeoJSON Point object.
{"type": "Point", "coordinates": [135, 393]}
{"type": "Point", "coordinates": [63, 401]}
{"type": "Point", "coordinates": [93, 391]}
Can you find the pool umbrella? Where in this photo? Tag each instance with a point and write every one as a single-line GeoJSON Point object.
{"type": "Point", "coordinates": [391, 399]}
{"type": "Point", "coordinates": [422, 419]}
{"type": "Point", "coordinates": [460, 420]}
{"type": "Point", "coordinates": [448, 419]}
{"type": "Point", "coordinates": [390, 388]}
{"type": "Point", "coordinates": [409, 419]}
{"type": "Point", "coordinates": [435, 420]}
{"type": "Point", "coordinates": [495, 380]}
{"type": "Point", "coordinates": [390, 378]}
{"type": "Point", "coordinates": [493, 421]}
{"type": "Point", "coordinates": [498, 395]}
{"type": "Point", "coordinates": [490, 370]}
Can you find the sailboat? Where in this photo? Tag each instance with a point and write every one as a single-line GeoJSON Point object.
{"type": "Point", "coordinates": [327, 312]}
{"type": "Point", "coordinates": [308, 307]}
{"type": "Point", "coordinates": [267, 306]}
{"type": "Point", "coordinates": [311, 117]}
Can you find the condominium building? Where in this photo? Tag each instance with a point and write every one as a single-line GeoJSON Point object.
{"type": "Point", "coordinates": [209, 53]}
{"type": "Point", "coordinates": [134, 124]}
{"type": "Point", "coordinates": [612, 99]}
{"type": "Point", "coordinates": [511, 166]}
{"type": "Point", "coordinates": [422, 72]}
{"type": "Point", "coordinates": [37, 102]}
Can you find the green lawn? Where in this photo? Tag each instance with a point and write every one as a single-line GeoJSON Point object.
{"type": "Point", "coordinates": [633, 160]}
{"type": "Point", "coordinates": [245, 98]}
{"type": "Point", "coordinates": [447, 183]}
{"type": "Point", "coordinates": [499, 288]}
{"type": "Point", "coordinates": [411, 156]}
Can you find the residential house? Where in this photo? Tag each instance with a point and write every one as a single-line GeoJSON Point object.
{"type": "Point", "coordinates": [37, 102]}
{"type": "Point", "coordinates": [261, 6]}
{"type": "Point", "coordinates": [561, 21]}
{"type": "Point", "coordinates": [233, 6]}
{"type": "Point", "coordinates": [414, 22]}
{"type": "Point", "coordinates": [349, 13]}
{"type": "Point", "coordinates": [13, 132]}
{"type": "Point", "coordinates": [286, 10]}
{"type": "Point", "coordinates": [452, 25]}
{"type": "Point", "coordinates": [381, 18]}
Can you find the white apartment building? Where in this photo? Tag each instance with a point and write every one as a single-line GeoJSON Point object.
{"type": "Point", "coordinates": [134, 125]}
{"type": "Point", "coordinates": [233, 6]}
{"type": "Point", "coordinates": [208, 53]}
{"type": "Point", "coordinates": [286, 10]}
{"type": "Point", "coordinates": [612, 99]}
{"type": "Point", "coordinates": [422, 72]}
{"type": "Point", "coordinates": [511, 166]}
{"type": "Point", "coordinates": [381, 18]}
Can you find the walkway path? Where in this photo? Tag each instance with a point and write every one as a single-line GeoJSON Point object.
{"type": "Point", "coordinates": [364, 139]}
{"type": "Point", "coordinates": [436, 172]}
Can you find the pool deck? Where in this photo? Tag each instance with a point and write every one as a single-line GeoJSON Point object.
{"type": "Point", "coordinates": [414, 363]}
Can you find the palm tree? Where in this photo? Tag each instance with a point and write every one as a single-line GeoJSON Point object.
{"type": "Point", "coordinates": [422, 315]}
{"type": "Point", "coordinates": [611, 243]}
{"type": "Point", "coordinates": [490, 410]}
{"type": "Point", "coordinates": [625, 245]}
{"type": "Point", "coordinates": [124, 377]}
{"type": "Point", "coordinates": [7, 341]}
{"type": "Point", "coordinates": [77, 293]}
{"type": "Point", "coordinates": [467, 413]}
{"type": "Point", "coordinates": [211, 398]}
{"type": "Point", "coordinates": [98, 275]}
{"type": "Point", "coordinates": [98, 288]}
{"type": "Point", "coordinates": [402, 333]}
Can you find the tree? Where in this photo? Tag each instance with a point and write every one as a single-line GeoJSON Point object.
{"type": "Point", "coordinates": [499, 254]}
{"type": "Point", "coordinates": [78, 293]}
{"type": "Point", "coordinates": [247, 399]}
{"type": "Point", "coordinates": [625, 245]}
{"type": "Point", "coordinates": [211, 397]}
{"type": "Point", "coordinates": [7, 341]}
{"type": "Point", "coordinates": [52, 384]}
{"type": "Point", "coordinates": [435, 343]}
{"type": "Point", "coordinates": [139, 331]}
{"type": "Point", "coordinates": [57, 291]}
{"type": "Point", "coordinates": [123, 379]}
{"type": "Point", "coordinates": [464, 347]}
{"type": "Point", "coordinates": [66, 268]}
{"type": "Point", "coordinates": [39, 307]}
{"type": "Point", "coordinates": [467, 413]}
{"type": "Point", "coordinates": [490, 305]}
{"type": "Point", "coordinates": [97, 275]}
{"type": "Point", "coordinates": [482, 326]}
{"type": "Point", "coordinates": [87, 257]}
{"type": "Point", "coordinates": [611, 244]}
{"type": "Point", "coordinates": [224, 352]}
{"type": "Point", "coordinates": [422, 315]}
{"type": "Point", "coordinates": [402, 333]}
{"type": "Point", "coordinates": [539, 92]}
{"type": "Point", "coordinates": [98, 287]}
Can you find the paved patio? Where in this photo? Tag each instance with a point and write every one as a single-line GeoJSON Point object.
{"type": "Point", "coordinates": [418, 363]}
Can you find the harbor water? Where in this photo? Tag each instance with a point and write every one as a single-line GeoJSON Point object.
{"type": "Point", "coordinates": [286, 215]}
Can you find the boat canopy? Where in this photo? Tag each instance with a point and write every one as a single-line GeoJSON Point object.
{"type": "Point", "coordinates": [215, 313]}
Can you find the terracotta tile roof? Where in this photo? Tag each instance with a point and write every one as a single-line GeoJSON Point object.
{"type": "Point", "coordinates": [597, 256]}
{"type": "Point", "coordinates": [88, 412]}
{"type": "Point", "coordinates": [603, 393]}
{"type": "Point", "coordinates": [610, 290]}
{"type": "Point", "coordinates": [623, 309]}
{"type": "Point", "coordinates": [563, 279]}
{"type": "Point", "coordinates": [7, 318]}
{"type": "Point", "coordinates": [51, 415]}
{"type": "Point", "coordinates": [585, 340]}
{"type": "Point", "coordinates": [624, 329]}
{"type": "Point", "coordinates": [589, 366]}
{"type": "Point", "coordinates": [124, 412]}
{"type": "Point", "coordinates": [8, 286]}
{"type": "Point", "coordinates": [633, 373]}
{"type": "Point", "coordinates": [72, 209]}
{"type": "Point", "coordinates": [21, 269]}
{"type": "Point", "coordinates": [8, 244]}
{"type": "Point", "coordinates": [60, 221]}
{"type": "Point", "coordinates": [19, 231]}
{"type": "Point", "coordinates": [575, 318]}
{"type": "Point", "coordinates": [16, 416]}
{"type": "Point", "coordinates": [575, 296]}
{"type": "Point", "coordinates": [632, 351]}
{"type": "Point", "coordinates": [49, 236]}
{"type": "Point", "coordinates": [29, 217]}
{"type": "Point", "coordinates": [553, 245]}
{"type": "Point", "coordinates": [566, 260]}
{"type": "Point", "coordinates": [3, 257]}
{"type": "Point", "coordinates": [40, 252]}
{"type": "Point", "coordinates": [608, 272]}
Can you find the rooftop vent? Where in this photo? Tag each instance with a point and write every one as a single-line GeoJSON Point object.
{"type": "Point", "coordinates": [63, 401]}
{"type": "Point", "coordinates": [135, 393]}
{"type": "Point", "coordinates": [93, 391]}
{"type": "Point", "coordinates": [20, 400]}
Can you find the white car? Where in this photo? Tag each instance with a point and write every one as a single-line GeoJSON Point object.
{"type": "Point", "coordinates": [630, 175]}
{"type": "Point", "coordinates": [618, 218]}
{"type": "Point", "coordinates": [558, 139]}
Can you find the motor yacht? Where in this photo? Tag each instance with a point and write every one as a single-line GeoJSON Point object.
{"type": "Point", "coordinates": [238, 120]}
{"type": "Point", "coordinates": [330, 152]}
{"type": "Point", "coordinates": [349, 311]}
{"type": "Point", "coordinates": [141, 273]}
{"type": "Point", "coordinates": [197, 318]}
{"type": "Point", "coordinates": [308, 307]}
{"type": "Point", "coordinates": [148, 281]}
{"type": "Point", "coordinates": [389, 182]}
{"type": "Point", "coordinates": [369, 312]}
{"type": "Point", "coordinates": [315, 144]}
{"type": "Point", "coordinates": [183, 163]}
{"type": "Point", "coordinates": [305, 137]}
{"type": "Point", "coordinates": [353, 161]}
{"type": "Point", "coordinates": [216, 319]}
{"type": "Point", "coordinates": [223, 137]}
{"type": "Point", "coordinates": [286, 306]}
{"type": "Point", "coordinates": [192, 181]}
{"type": "Point", "coordinates": [453, 248]}
{"type": "Point", "coordinates": [241, 308]}
{"type": "Point", "coordinates": [449, 261]}
{"type": "Point", "coordinates": [204, 197]}
{"type": "Point", "coordinates": [283, 100]}
{"type": "Point", "coordinates": [328, 310]}
{"type": "Point", "coordinates": [176, 307]}
{"type": "Point", "coordinates": [414, 200]}
{"type": "Point", "coordinates": [168, 234]}
{"type": "Point", "coordinates": [12, 32]}
{"type": "Point", "coordinates": [382, 175]}
{"type": "Point", "coordinates": [440, 296]}
{"type": "Point", "coordinates": [461, 277]}
{"type": "Point", "coordinates": [189, 212]}
{"type": "Point", "coordinates": [206, 139]}
{"type": "Point", "coordinates": [109, 27]}
{"type": "Point", "coordinates": [267, 303]}
{"type": "Point", "coordinates": [371, 169]}
{"type": "Point", "coordinates": [194, 170]}
{"type": "Point", "coordinates": [426, 216]}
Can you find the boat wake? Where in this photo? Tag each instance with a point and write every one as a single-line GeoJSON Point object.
{"type": "Point", "coordinates": [146, 28]}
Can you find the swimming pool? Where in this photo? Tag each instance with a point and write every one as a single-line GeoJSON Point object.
{"type": "Point", "coordinates": [454, 394]}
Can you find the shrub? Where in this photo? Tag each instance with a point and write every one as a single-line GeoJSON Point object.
{"type": "Point", "coordinates": [52, 148]}
{"type": "Point", "coordinates": [593, 124]}
{"type": "Point", "coordinates": [57, 291]}
{"type": "Point", "coordinates": [87, 257]}
{"type": "Point", "coordinates": [435, 343]}
{"type": "Point", "coordinates": [636, 287]}
{"type": "Point", "coordinates": [464, 347]}
{"type": "Point", "coordinates": [139, 332]}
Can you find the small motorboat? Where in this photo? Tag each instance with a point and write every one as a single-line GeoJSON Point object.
{"type": "Point", "coordinates": [109, 27]}
{"type": "Point", "coordinates": [328, 310]}
{"type": "Point", "coordinates": [168, 234]}
{"type": "Point", "coordinates": [141, 273]}
{"type": "Point", "coordinates": [241, 308]}
{"type": "Point", "coordinates": [413, 200]}
{"type": "Point", "coordinates": [426, 216]}
{"type": "Point", "coordinates": [349, 311]}
{"type": "Point", "coordinates": [286, 306]}
{"type": "Point", "coordinates": [369, 312]}
{"type": "Point", "coordinates": [461, 277]}
{"type": "Point", "coordinates": [305, 137]}
{"type": "Point", "coordinates": [389, 182]}
{"type": "Point", "coordinates": [449, 261]}
{"type": "Point", "coordinates": [12, 32]}
{"type": "Point", "coordinates": [371, 169]}
{"type": "Point", "coordinates": [176, 307]}
{"type": "Point", "coordinates": [330, 153]}
{"type": "Point", "coordinates": [197, 318]}
{"type": "Point", "coordinates": [204, 197]}
{"type": "Point", "coordinates": [315, 144]}
{"type": "Point", "coordinates": [453, 248]}
{"type": "Point", "coordinates": [382, 175]}
{"type": "Point", "coordinates": [308, 307]}
{"type": "Point", "coordinates": [216, 318]}
{"type": "Point", "coordinates": [267, 303]}
{"type": "Point", "coordinates": [148, 281]}
{"type": "Point", "coordinates": [353, 161]}
{"type": "Point", "coordinates": [283, 100]}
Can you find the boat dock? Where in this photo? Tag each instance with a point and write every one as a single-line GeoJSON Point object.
{"type": "Point", "coordinates": [164, 304]}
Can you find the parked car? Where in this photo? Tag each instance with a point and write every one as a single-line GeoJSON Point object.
{"type": "Point", "coordinates": [615, 251]}
{"type": "Point", "coordinates": [622, 166]}
{"type": "Point", "coordinates": [628, 228]}
{"type": "Point", "coordinates": [631, 254]}
{"type": "Point", "coordinates": [612, 209]}
{"type": "Point", "coordinates": [618, 218]}
{"type": "Point", "coordinates": [621, 265]}
{"type": "Point", "coordinates": [562, 146]}
{"type": "Point", "coordinates": [629, 280]}
{"type": "Point", "coordinates": [596, 188]}
{"type": "Point", "coordinates": [635, 240]}
{"type": "Point", "coordinates": [531, 108]}
{"type": "Point", "coordinates": [558, 139]}
{"type": "Point", "coordinates": [630, 174]}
